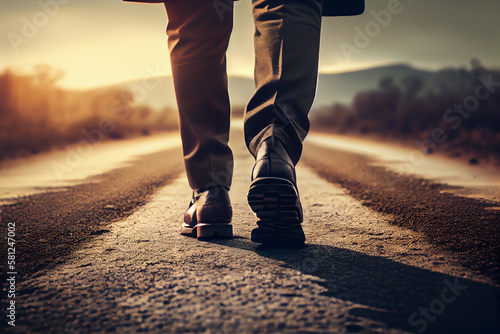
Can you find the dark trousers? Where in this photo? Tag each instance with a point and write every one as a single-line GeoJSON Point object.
{"type": "Point", "coordinates": [287, 34]}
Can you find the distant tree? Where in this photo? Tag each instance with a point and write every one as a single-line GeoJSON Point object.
{"type": "Point", "coordinates": [386, 83]}
{"type": "Point", "coordinates": [46, 75]}
{"type": "Point", "coordinates": [6, 109]}
{"type": "Point", "coordinates": [415, 106]}
{"type": "Point", "coordinates": [412, 85]}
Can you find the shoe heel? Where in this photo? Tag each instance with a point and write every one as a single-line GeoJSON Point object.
{"type": "Point", "coordinates": [276, 203]}
{"type": "Point", "coordinates": [275, 199]}
{"type": "Point", "coordinates": [204, 231]}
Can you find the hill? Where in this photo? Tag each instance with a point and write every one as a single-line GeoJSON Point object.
{"type": "Point", "coordinates": [332, 88]}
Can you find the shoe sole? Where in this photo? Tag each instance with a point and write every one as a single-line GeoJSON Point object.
{"type": "Point", "coordinates": [208, 231]}
{"type": "Point", "coordinates": [276, 203]}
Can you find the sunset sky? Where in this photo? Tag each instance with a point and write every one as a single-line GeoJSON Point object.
{"type": "Point", "coordinates": [100, 42]}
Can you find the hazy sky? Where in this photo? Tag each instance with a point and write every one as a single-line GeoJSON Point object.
{"type": "Point", "coordinates": [98, 42]}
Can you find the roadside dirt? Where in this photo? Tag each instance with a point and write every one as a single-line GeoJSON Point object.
{"type": "Point", "coordinates": [465, 226]}
{"type": "Point", "coordinates": [52, 224]}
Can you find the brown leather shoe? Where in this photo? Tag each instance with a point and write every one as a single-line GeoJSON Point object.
{"type": "Point", "coordinates": [209, 214]}
{"type": "Point", "coordinates": [274, 197]}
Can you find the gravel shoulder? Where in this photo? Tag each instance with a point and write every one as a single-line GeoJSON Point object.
{"type": "Point", "coordinates": [50, 225]}
{"type": "Point", "coordinates": [464, 226]}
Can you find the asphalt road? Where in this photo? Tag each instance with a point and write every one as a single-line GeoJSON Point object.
{"type": "Point", "coordinates": [385, 253]}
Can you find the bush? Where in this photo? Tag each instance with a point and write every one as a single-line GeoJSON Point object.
{"type": "Point", "coordinates": [35, 115]}
{"type": "Point", "coordinates": [411, 110]}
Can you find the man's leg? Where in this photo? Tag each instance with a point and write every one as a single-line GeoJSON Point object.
{"type": "Point", "coordinates": [276, 121]}
{"type": "Point", "coordinates": [198, 38]}
{"type": "Point", "coordinates": [287, 41]}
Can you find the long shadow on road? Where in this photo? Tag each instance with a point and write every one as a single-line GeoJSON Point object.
{"type": "Point", "coordinates": [402, 296]}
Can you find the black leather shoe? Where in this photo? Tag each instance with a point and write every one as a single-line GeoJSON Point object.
{"type": "Point", "coordinates": [209, 214]}
{"type": "Point", "coordinates": [274, 198]}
